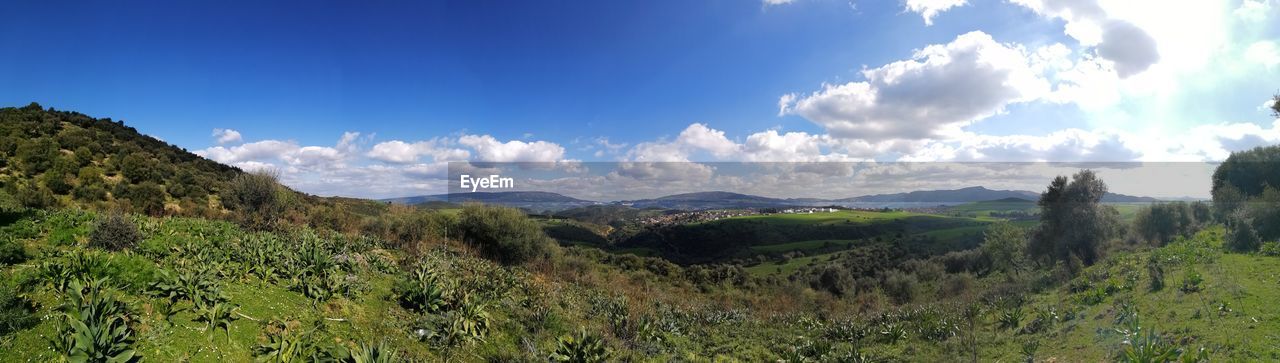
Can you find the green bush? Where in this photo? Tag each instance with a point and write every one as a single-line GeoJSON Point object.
{"type": "Point", "coordinates": [15, 312]}
{"type": "Point", "coordinates": [11, 252]}
{"type": "Point", "coordinates": [899, 286]}
{"type": "Point", "coordinates": [256, 198]}
{"type": "Point", "coordinates": [503, 234]}
{"type": "Point", "coordinates": [114, 232]}
{"type": "Point", "coordinates": [1270, 249]}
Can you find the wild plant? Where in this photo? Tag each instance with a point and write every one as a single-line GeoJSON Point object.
{"type": "Point", "coordinates": [371, 353]}
{"type": "Point", "coordinates": [217, 316]}
{"type": "Point", "coordinates": [1029, 349]}
{"type": "Point", "coordinates": [1145, 347]}
{"type": "Point", "coordinates": [582, 348]}
{"type": "Point", "coordinates": [892, 333]}
{"type": "Point", "coordinates": [1010, 318]}
{"type": "Point", "coordinates": [422, 291]}
{"type": "Point", "coordinates": [94, 325]}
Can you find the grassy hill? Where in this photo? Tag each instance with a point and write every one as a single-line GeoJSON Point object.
{"type": "Point", "coordinates": [739, 236]}
{"type": "Point", "coordinates": [348, 280]}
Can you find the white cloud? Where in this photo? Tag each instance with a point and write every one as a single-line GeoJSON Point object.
{"type": "Point", "coordinates": [1128, 46]}
{"type": "Point", "coordinates": [400, 152]}
{"type": "Point", "coordinates": [488, 148]}
{"type": "Point", "coordinates": [1264, 52]}
{"type": "Point", "coordinates": [777, 2]}
{"type": "Point", "coordinates": [226, 136]}
{"type": "Point", "coordinates": [939, 90]}
{"type": "Point", "coordinates": [1069, 145]}
{"type": "Point", "coordinates": [930, 8]}
{"type": "Point", "coordinates": [1253, 10]}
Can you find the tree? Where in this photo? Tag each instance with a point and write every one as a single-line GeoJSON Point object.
{"type": "Point", "coordinates": [37, 155]}
{"type": "Point", "coordinates": [503, 234]}
{"type": "Point", "coordinates": [1073, 222]}
{"type": "Point", "coordinates": [1157, 224]}
{"type": "Point", "coordinates": [836, 280]}
{"type": "Point", "coordinates": [147, 197]}
{"type": "Point", "coordinates": [256, 197]}
{"type": "Point", "coordinates": [1006, 245]}
{"type": "Point", "coordinates": [137, 168]}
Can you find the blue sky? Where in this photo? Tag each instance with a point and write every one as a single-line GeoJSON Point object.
{"type": "Point", "coordinates": [431, 82]}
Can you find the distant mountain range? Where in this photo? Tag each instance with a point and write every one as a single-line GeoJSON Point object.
{"type": "Point", "coordinates": [710, 200]}
{"type": "Point", "coordinates": [533, 201]}
{"type": "Point", "coordinates": [976, 194]}
{"type": "Point", "coordinates": [542, 201]}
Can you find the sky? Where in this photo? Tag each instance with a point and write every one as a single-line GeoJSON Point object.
{"type": "Point", "coordinates": [374, 99]}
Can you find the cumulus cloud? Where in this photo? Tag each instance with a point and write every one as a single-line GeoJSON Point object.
{"type": "Point", "coordinates": [488, 148]}
{"type": "Point", "coordinates": [930, 8]}
{"type": "Point", "coordinates": [400, 152]}
{"type": "Point", "coordinates": [1129, 47]}
{"type": "Point", "coordinates": [1264, 52]}
{"type": "Point", "coordinates": [942, 88]}
{"type": "Point", "coordinates": [1253, 10]}
{"type": "Point", "coordinates": [777, 2]}
{"type": "Point", "coordinates": [226, 136]}
{"type": "Point", "coordinates": [1069, 145]}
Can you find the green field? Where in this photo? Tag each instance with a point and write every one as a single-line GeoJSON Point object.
{"type": "Point", "coordinates": [803, 245]}
{"type": "Point", "coordinates": [836, 217]}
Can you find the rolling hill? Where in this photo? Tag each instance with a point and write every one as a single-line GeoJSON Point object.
{"type": "Point", "coordinates": [710, 200]}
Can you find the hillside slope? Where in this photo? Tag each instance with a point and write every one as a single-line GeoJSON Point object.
{"type": "Point", "coordinates": [51, 158]}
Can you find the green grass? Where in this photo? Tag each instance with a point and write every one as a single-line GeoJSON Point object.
{"type": "Point", "coordinates": [842, 216]}
{"type": "Point", "coordinates": [803, 245]}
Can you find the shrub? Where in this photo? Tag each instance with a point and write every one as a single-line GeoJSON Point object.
{"type": "Point", "coordinates": [1243, 238]}
{"type": "Point", "coordinates": [956, 285]}
{"type": "Point", "coordinates": [114, 232]}
{"type": "Point", "coordinates": [1270, 249]}
{"type": "Point", "coordinates": [147, 197]}
{"type": "Point", "coordinates": [15, 312]}
{"type": "Point", "coordinates": [1191, 280]}
{"type": "Point", "coordinates": [504, 234]}
{"type": "Point", "coordinates": [11, 252]}
{"type": "Point", "coordinates": [257, 197]}
{"type": "Point", "coordinates": [835, 280]}
{"type": "Point", "coordinates": [899, 286]}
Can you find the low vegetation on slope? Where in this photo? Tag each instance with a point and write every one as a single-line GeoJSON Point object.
{"type": "Point", "coordinates": [350, 281]}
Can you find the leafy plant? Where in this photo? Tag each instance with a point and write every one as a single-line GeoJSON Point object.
{"type": "Point", "coordinates": [1029, 349]}
{"type": "Point", "coordinates": [1191, 281]}
{"type": "Point", "coordinates": [217, 315]}
{"type": "Point", "coordinates": [15, 312]}
{"type": "Point", "coordinates": [892, 333]}
{"type": "Point", "coordinates": [423, 291]}
{"type": "Point", "coordinates": [583, 348]}
{"type": "Point", "coordinates": [1010, 318]}
{"type": "Point", "coordinates": [370, 353]}
{"type": "Point", "coordinates": [94, 327]}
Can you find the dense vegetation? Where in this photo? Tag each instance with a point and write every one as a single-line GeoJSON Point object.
{"type": "Point", "coordinates": [273, 275]}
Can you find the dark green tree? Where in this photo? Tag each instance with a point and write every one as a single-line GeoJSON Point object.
{"type": "Point", "coordinates": [1074, 224]}
{"type": "Point", "coordinates": [37, 155]}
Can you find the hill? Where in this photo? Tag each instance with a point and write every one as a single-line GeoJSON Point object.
{"type": "Point", "coordinates": [972, 195]}
{"type": "Point", "coordinates": [530, 200]}
{"type": "Point", "coordinates": [710, 200]}
{"type": "Point", "coordinates": [605, 214]}
{"type": "Point", "coordinates": [51, 158]}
